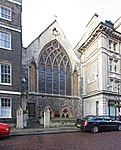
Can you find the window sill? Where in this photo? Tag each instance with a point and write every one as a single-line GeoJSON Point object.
{"type": "Point", "coordinates": [6, 48]}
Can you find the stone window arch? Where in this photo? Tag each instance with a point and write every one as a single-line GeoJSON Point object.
{"type": "Point", "coordinates": [65, 113]}
{"type": "Point", "coordinates": [32, 77]}
{"type": "Point", "coordinates": [54, 70]}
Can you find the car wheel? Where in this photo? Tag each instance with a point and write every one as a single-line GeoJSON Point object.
{"type": "Point", "coordinates": [119, 127]}
{"type": "Point", "coordinates": [81, 129]}
{"type": "Point", "coordinates": [94, 129]}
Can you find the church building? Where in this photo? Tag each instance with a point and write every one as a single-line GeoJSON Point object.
{"type": "Point", "coordinates": [51, 77]}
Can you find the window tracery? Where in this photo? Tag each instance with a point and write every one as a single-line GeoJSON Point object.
{"type": "Point", "coordinates": [65, 113]}
{"type": "Point", "coordinates": [54, 70]}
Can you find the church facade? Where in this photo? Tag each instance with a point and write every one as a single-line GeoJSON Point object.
{"type": "Point", "coordinates": [51, 75]}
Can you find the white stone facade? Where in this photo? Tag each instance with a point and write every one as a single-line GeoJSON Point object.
{"type": "Point", "coordinates": [100, 57]}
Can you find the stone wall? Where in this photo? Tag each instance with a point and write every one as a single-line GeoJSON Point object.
{"type": "Point", "coordinates": [56, 104]}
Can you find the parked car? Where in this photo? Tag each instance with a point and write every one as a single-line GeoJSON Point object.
{"type": "Point", "coordinates": [4, 130]}
{"type": "Point", "coordinates": [98, 123]}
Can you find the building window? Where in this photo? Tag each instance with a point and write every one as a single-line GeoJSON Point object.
{"type": "Point", "coordinates": [110, 85]}
{"type": "Point", "coordinates": [68, 79]}
{"type": "Point", "coordinates": [62, 80]}
{"type": "Point", "coordinates": [110, 64]}
{"type": "Point", "coordinates": [5, 108]}
{"type": "Point", "coordinates": [110, 44]}
{"type": "Point", "coordinates": [5, 74]}
{"type": "Point", "coordinates": [42, 78]}
{"type": "Point", "coordinates": [113, 111]}
{"type": "Point", "coordinates": [54, 70]}
{"type": "Point", "coordinates": [56, 79]}
{"type": "Point", "coordinates": [114, 46]}
{"type": "Point", "coordinates": [115, 67]}
{"type": "Point", "coordinates": [55, 45]}
{"type": "Point", "coordinates": [49, 79]}
{"type": "Point", "coordinates": [116, 86]}
{"type": "Point", "coordinates": [5, 13]}
{"type": "Point", "coordinates": [5, 40]}
{"type": "Point", "coordinates": [65, 113]}
{"type": "Point", "coordinates": [97, 108]}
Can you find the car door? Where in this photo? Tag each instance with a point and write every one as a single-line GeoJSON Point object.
{"type": "Point", "coordinates": [100, 122]}
{"type": "Point", "coordinates": [109, 123]}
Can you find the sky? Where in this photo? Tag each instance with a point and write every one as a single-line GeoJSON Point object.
{"type": "Point", "coordinates": [72, 16]}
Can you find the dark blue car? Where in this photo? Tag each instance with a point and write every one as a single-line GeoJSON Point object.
{"type": "Point", "coordinates": [98, 123]}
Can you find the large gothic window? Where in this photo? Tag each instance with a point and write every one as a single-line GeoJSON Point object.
{"type": "Point", "coordinates": [54, 70]}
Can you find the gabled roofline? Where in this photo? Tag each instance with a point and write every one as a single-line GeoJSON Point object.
{"type": "Point", "coordinates": [42, 32]}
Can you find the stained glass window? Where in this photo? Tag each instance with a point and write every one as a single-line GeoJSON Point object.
{"type": "Point", "coordinates": [62, 80]}
{"type": "Point", "coordinates": [68, 79]}
{"type": "Point", "coordinates": [55, 79]}
{"type": "Point", "coordinates": [41, 78]}
{"type": "Point", "coordinates": [49, 79]}
{"type": "Point", "coordinates": [54, 73]}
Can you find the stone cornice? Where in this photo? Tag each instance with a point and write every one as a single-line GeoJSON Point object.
{"type": "Point", "coordinates": [104, 92]}
{"type": "Point", "coordinates": [102, 28]}
{"type": "Point", "coordinates": [10, 92]}
{"type": "Point", "coordinates": [11, 28]}
{"type": "Point", "coordinates": [110, 32]}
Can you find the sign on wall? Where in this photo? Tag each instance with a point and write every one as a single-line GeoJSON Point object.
{"type": "Point", "coordinates": [91, 77]}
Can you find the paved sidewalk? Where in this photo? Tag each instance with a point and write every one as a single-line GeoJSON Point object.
{"type": "Point", "coordinates": [32, 131]}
